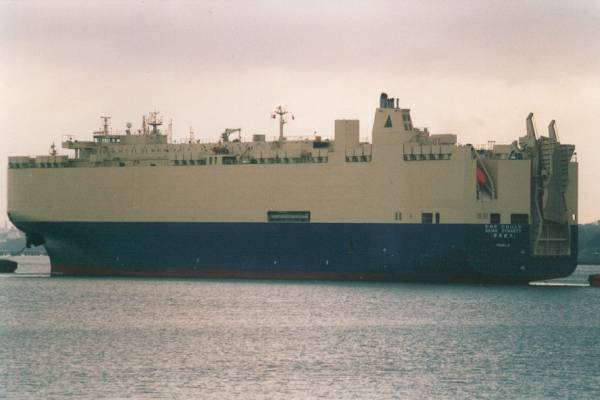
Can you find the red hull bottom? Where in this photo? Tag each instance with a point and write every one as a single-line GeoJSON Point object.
{"type": "Point", "coordinates": [61, 270]}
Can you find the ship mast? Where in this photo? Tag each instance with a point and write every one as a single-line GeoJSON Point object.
{"type": "Point", "coordinates": [105, 124]}
{"type": "Point", "coordinates": [155, 120]}
{"type": "Point", "coordinates": [282, 121]}
{"type": "Point", "coordinates": [191, 135]}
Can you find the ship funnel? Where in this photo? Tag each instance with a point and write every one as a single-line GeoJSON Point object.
{"type": "Point", "coordinates": [388, 102]}
{"type": "Point", "coordinates": [383, 100]}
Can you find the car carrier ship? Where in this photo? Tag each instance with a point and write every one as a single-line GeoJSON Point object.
{"type": "Point", "coordinates": [409, 205]}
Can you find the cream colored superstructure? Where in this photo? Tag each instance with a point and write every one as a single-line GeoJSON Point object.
{"type": "Point", "coordinates": [404, 174]}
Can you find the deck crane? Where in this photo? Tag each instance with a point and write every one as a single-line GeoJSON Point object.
{"type": "Point", "coordinates": [225, 135]}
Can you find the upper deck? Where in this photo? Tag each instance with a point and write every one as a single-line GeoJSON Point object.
{"type": "Point", "coordinates": [393, 130]}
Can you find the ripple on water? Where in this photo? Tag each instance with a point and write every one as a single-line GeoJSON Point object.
{"type": "Point", "coordinates": [151, 338]}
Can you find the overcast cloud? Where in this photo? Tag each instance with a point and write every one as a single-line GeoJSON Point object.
{"type": "Point", "coordinates": [475, 68]}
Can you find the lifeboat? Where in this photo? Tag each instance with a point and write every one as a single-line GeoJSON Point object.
{"type": "Point", "coordinates": [481, 177]}
{"type": "Point", "coordinates": [594, 280]}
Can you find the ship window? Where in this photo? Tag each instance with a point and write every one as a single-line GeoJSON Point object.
{"type": "Point", "coordinates": [519, 218]}
{"type": "Point", "coordinates": [494, 218]}
{"type": "Point", "coordinates": [388, 122]}
{"type": "Point", "coordinates": [426, 218]}
{"type": "Point", "coordinates": [437, 218]}
{"type": "Point", "coordinates": [288, 216]}
{"type": "Point", "coordinates": [398, 216]}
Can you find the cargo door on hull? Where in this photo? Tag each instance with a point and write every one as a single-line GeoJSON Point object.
{"type": "Point", "coordinates": [550, 229]}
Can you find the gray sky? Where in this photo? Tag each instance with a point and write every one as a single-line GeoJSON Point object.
{"type": "Point", "coordinates": [475, 68]}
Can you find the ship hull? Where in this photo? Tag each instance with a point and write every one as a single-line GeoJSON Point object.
{"type": "Point", "coordinates": [332, 251]}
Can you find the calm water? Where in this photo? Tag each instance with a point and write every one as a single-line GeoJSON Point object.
{"type": "Point", "coordinates": [148, 338]}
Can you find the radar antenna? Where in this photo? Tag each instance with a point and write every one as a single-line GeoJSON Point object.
{"type": "Point", "coordinates": [154, 120]}
{"type": "Point", "coordinates": [282, 120]}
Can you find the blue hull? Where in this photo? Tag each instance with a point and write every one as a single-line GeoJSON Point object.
{"type": "Point", "coordinates": [388, 252]}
